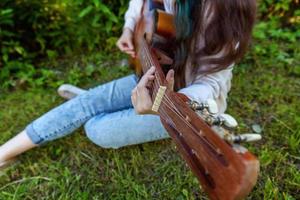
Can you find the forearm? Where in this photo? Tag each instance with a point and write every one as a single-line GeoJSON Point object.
{"type": "Point", "coordinates": [198, 92]}
{"type": "Point", "coordinates": [132, 14]}
{"type": "Point", "coordinates": [214, 86]}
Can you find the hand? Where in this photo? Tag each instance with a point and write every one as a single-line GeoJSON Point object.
{"type": "Point", "coordinates": [140, 95]}
{"type": "Point", "coordinates": [125, 42]}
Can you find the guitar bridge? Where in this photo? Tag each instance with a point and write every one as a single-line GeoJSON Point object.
{"type": "Point", "coordinates": [159, 96]}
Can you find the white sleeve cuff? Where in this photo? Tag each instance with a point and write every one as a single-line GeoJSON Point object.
{"type": "Point", "coordinates": [129, 23]}
{"type": "Point", "coordinates": [198, 92]}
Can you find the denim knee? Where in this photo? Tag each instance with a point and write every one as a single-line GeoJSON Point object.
{"type": "Point", "coordinates": [100, 136]}
{"type": "Point", "coordinates": [124, 128]}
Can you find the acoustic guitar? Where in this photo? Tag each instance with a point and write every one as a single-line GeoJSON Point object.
{"type": "Point", "coordinates": [225, 170]}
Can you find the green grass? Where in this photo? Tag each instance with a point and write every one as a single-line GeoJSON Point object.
{"type": "Point", "coordinates": [265, 91]}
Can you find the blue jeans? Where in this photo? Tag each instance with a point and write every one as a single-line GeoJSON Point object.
{"type": "Point", "coordinates": [107, 115]}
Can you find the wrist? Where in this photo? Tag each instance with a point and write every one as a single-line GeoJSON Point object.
{"type": "Point", "coordinates": [127, 31]}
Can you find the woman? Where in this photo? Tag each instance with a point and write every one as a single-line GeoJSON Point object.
{"type": "Point", "coordinates": [211, 36]}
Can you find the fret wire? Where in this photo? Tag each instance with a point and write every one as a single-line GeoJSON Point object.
{"type": "Point", "coordinates": [172, 107]}
{"type": "Point", "coordinates": [192, 127]}
{"type": "Point", "coordinates": [147, 53]}
{"type": "Point", "coordinates": [180, 116]}
{"type": "Point", "coordinates": [176, 111]}
{"type": "Point", "coordinates": [169, 100]}
{"type": "Point", "coordinates": [155, 84]}
{"type": "Point", "coordinates": [153, 64]}
{"type": "Point", "coordinates": [147, 57]}
{"type": "Point", "coordinates": [148, 61]}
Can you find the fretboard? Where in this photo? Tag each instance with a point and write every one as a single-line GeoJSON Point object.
{"type": "Point", "coordinates": [148, 59]}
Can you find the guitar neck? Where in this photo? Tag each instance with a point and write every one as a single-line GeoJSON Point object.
{"type": "Point", "coordinates": [148, 59]}
{"type": "Point", "coordinates": [223, 173]}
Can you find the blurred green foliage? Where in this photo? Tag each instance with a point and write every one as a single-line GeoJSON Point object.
{"type": "Point", "coordinates": [32, 31]}
{"type": "Point", "coordinates": [46, 43]}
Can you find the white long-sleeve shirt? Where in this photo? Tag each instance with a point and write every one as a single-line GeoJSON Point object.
{"type": "Point", "coordinates": [213, 86]}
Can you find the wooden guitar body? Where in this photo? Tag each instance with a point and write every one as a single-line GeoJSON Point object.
{"type": "Point", "coordinates": [223, 172]}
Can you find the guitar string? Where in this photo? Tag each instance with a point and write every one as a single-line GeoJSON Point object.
{"type": "Point", "coordinates": [146, 59]}
{"type": "Point", "coordinates": [180, 115]}
{"type": "Point", "coordinates": [150, 61]}
{"type": "Point", "coordinates": [155, 84]}
{"type": "Point", "coordinates": [176, 111]}
{"type": "Point", "coordinates": [149, 58]}
{"type": "Point", "coordinates": [203, 139]}
{"type": "Point", "coordinates": [173, 108]}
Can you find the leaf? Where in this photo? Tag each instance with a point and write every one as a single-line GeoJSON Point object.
{"type": "Point", "coordinates": [19, 49]}
{"type": "Point", "coordinates": [96, 20]}
{"type": "Point", "coordinates": [51, 54]}
{"type": "Point", "coordinates": [260, 31]}
{"type": "Point", "coordinates": [5, 57]}
{"type": "Point", "coordinates": [185, 192]}
{"type": "Point", "coordinates": [85, 11]}
{"type": "Point", "coordinates": [97, 3]}
{"type": "Point", "coordinates": [6, 11]}
{"type": "Point", "coordinates": [107, 11]}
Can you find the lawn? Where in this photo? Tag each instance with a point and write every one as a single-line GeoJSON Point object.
{"type": "Point", "coordinates": [265, 92]}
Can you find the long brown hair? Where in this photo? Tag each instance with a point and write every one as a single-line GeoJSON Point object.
{"type": "Point", "coordinates": [225, 28]}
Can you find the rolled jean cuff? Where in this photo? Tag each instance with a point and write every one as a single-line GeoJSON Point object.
{"type": "Point", "coordinates": [33, 135]}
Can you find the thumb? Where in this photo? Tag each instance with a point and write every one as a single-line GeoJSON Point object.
{"type": "Point", "coordinates": [170, 79]}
